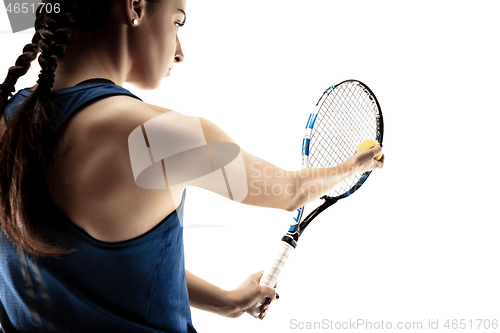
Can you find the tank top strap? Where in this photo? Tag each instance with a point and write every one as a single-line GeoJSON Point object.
{"type": "Point", "coordinates": [70, 100]}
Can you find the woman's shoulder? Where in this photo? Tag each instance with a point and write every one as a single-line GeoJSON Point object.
{"type": "Point", "coordinates": [121, 113]}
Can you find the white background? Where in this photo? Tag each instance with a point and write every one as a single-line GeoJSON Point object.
{"type": "Point", "coordinates": [420, 241]}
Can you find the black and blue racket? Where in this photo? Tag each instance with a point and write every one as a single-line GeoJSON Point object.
{"type": "Point", "coordinates": [347, 114]}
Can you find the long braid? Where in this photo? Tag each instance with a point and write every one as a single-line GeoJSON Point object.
{"type": "Point", "coordinates": [26, 216]}
{"type": "Point", "coordinates": [55, 36]}
{"type": "Point", "coordinates": [22, 65]}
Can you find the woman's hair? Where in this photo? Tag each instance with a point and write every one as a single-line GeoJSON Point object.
{"type": "Point", "coordinates": [26, 209]}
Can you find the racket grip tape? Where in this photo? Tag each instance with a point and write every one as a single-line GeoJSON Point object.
{"type": "Point", "coordinates": [271, 275]}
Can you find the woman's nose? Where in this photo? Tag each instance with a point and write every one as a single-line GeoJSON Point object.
{"type": "Point", "coordinates": [179, 56]}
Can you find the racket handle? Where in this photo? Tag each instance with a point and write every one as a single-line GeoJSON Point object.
{"type": "Point", "coordinates": [271, 274]}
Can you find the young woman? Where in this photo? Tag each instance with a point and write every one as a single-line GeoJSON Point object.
{"type": "Point", "coordinates": [92, 179]}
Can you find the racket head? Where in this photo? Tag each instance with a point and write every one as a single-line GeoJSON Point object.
{"type": "Point", "coordinates": [346, 114]}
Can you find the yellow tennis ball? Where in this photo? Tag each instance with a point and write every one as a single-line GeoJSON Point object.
{"type": "Point", "coordinates": [367, 144]}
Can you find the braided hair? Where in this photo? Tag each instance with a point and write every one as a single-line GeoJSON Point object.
{"type": "Point", "coordinates": [26, 147]}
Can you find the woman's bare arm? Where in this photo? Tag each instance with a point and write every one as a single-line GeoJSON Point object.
{"type": "Point", "coordinates": [175, 151]}
{"type": "Point", "coordinates": [271, 186]}
{"type": "Point", "coordinates": [205, 296]}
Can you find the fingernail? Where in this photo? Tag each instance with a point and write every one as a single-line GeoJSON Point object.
{"type": "Point", "coordinates": [269, 302]}
{"type": "Point", "coordinates": [263, 316]}
{"type": "Point", "coordinates": [277, 296]}
{"type": "Point", "coordinates": [264, 310]}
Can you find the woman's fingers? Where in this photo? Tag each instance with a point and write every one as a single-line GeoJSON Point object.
{"type": "Point", "coordinates": [377, 149]}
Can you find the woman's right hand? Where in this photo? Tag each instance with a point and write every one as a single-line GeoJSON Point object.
{"type": "Point", "coordinates": [248, 294]}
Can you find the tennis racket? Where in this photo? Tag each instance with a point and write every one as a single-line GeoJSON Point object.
{"type": "Point", "coordinates": [346, 114]}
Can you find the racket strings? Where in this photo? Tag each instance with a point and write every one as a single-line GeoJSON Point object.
{"type": "Point", "coordinates": [346, 117]}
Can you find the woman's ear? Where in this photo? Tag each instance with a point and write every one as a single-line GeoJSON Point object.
{"type": "Point", "coordinates": [135, 11]}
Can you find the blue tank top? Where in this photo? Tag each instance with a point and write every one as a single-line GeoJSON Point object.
{"type": "Point", "coordinates": [136, 286]}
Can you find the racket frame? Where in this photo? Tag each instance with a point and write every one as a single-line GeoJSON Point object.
{"type": "Point", "coordinates": [297, 228]}
{"type": "Point", "coordinates": [290, 239]}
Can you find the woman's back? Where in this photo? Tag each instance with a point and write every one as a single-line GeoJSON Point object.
{"type": "Point", "coordinates": [134, 284]}
{"type": "Point", "coordinates": [91, 178]}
